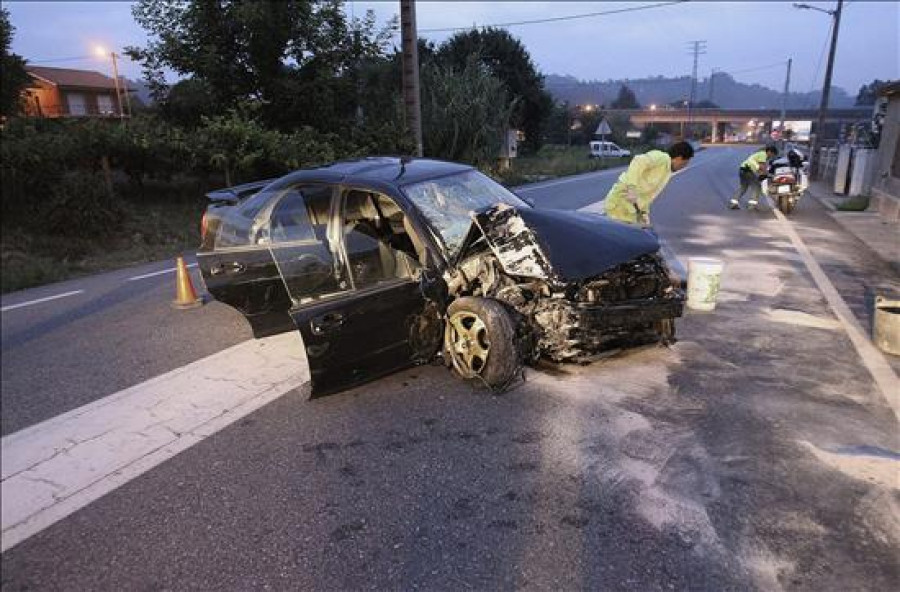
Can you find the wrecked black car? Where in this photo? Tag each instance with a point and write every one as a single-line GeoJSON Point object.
{"type": "Point", "coordinates": [384, 263]}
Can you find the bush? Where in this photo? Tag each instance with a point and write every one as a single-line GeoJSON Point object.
{"type": "Point", "coordinates": [80, 206]}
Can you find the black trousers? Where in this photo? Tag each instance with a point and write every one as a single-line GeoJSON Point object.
{"type": "Point", "coordinates": [748, 180]}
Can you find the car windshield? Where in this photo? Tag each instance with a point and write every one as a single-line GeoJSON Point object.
{"type": "Point", "coordinates": [447, 202]}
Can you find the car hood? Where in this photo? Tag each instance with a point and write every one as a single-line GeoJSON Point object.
{"type": "Point", "coordinates": [558, 245]}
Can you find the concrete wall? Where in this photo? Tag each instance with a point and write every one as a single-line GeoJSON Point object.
{"type": "Point", "coordinates": [887, 174]}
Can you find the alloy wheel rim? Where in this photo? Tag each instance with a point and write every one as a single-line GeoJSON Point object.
{"type": "Point", "coordinates": [466, 338]}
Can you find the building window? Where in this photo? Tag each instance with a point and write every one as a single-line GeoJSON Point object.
{"type": "Point", "coordinates": [77, 104]}
{"type": "Point", "coordinates": [105, 104]}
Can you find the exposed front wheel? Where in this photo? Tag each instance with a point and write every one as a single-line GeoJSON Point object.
{"type": "Point", "coordinates": [480, 341]}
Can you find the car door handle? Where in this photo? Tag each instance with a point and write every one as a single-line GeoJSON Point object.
{"type": "Point", "coordinates": [233, 267]}
{"type": "Point", "coordinates": [327, 322]}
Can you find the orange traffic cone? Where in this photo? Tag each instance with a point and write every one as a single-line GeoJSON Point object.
{"type": "Point", "coordinates": [185, 296]}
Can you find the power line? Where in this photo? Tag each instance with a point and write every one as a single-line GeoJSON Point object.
{"type": "Point", "coordinates": [72, 59]}
{"type": "Point", "coordinates": [555, 19]}
{"type": "Point", "coordinates": [755, 69]}
{"type": "Point", "coordinates": [812, 85]}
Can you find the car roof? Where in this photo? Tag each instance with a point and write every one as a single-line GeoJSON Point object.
{"type": "Point", "coordinates": [379, 170]}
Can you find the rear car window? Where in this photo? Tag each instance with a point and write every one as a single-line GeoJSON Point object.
{"type": "Point", "coordinates": [301, 214]}
{"type": "Point", "coordinates": [236, 229]}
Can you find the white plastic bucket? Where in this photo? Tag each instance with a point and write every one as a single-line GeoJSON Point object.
{"type": "Point", "coordinates": [704, 277]}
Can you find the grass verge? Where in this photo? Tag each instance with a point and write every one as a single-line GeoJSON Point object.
{"type": "Point", "coordinates": [856, 203]}
{"type": "Point", "coordinates": [555, 161]}
{"type": "Point", "coordinates": [150, 232]}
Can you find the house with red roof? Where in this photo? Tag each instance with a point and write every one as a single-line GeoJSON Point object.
{"type": "Point", "coordinates": [64, 92]}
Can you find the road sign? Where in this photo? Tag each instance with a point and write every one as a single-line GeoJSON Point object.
{"type": "Point", "coordinates": [603, 129]}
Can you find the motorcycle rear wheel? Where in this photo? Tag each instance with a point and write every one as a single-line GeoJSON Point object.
{"type": "Point", "coordinates": [785, 204]}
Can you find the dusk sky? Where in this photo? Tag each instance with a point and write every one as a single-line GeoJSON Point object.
{"type": "Point", "coordinates": [750, 39]}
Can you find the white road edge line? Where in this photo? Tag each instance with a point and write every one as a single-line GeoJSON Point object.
{"type": "Point", "coordinates": [570, 179]}
{"type": "Point", "coordinates": [57, 467]}
{"type": "Point", "coordinates": [583, 176]}
{"type": "Point", "coordinates": [882, 373]}
{"type": "Point", "coordinates": [155, 273]}
{"type": "Point", "coordinates": [39, 300]}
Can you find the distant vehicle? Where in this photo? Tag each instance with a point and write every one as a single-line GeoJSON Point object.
{"type": "Point", "coordinates": [607, 150]}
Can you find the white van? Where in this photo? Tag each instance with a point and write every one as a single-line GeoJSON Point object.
{"type": "Point", "coordinates": [607, 150]}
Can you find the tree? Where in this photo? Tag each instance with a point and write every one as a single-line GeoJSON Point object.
{"type": "Point", "coordinates": [706, 104]}
{"type": "Point", "coordinates": [868, 93]}
{"type": "Point", "coordinates": [187, 102]}
{"type": "Point", "coordinates": [507, 60]}
{"type": "Point", "coordinates": [300, 59]}
{"type": "Point", "coordinates": [626, 99]}
{"type": "Point", "coordinates": [13, 77]}
{"type": "Point", "coordinates": [464, 112]}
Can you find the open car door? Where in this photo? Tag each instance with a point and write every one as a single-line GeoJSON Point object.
{"type": "Point", "coordinates": [351, 272]}
{"type": "Point", "coordinates": [238, 268]}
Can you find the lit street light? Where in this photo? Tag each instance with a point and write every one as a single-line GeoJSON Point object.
{"type": "Point", "coordinates": [102, 52]}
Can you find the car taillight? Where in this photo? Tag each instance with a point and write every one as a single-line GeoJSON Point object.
{"type": "Point", "coordinates": [204, 226]}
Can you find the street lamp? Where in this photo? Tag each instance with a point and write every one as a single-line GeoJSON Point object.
{"type": "Point", "coordinates": [826, 90]}
{"type": "Point", "coordinates": [102, 52]}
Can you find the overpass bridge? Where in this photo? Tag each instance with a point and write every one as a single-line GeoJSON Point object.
{"type": "Point", "coordinates": [761, 118]}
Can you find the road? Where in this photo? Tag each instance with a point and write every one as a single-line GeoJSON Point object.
{"type": "Point", "coordinates": [758, 453]}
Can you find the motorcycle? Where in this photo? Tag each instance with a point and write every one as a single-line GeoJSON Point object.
{"type": "Point", "coordinates": [786, 181]}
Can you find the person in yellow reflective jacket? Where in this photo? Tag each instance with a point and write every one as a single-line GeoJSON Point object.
{"type": "Point", "coordinates": [753, 170]}
{"type": "Point", "coordinates": [630, 198]}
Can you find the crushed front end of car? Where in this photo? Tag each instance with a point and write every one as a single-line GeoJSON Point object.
{"type": "Point", "coordinates": [579, 284]}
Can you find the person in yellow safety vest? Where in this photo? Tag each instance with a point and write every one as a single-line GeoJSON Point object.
{"type": "Point", "coordinates": [752, 171]}
{"type": "Point", "coordinates": [629, 199]}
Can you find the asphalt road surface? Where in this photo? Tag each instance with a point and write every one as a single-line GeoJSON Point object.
{"type": "Point", "coordinates": [758, 453]}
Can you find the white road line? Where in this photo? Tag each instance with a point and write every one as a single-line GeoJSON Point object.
{"type": "Point", "coordinates": [39, 300]}
{"type": "Point", "coordinates": [54, 468]}
{"type": "Point", "coordinates": [155, 273]}
{"type": "Point", "coordinates": [572, 179]}
{"type": "Point", "coordinates": [874, 361]}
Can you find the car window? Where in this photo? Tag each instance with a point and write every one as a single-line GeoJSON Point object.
{"type": "Point", "coordinates": [301, 214]}
{"type": "Point", "coordinates": [380, 242]}
{"type": "Point", "coordinates": [251, 206]}
{"type": "Point", "coordinates": [297, 235]}
{"type": "Point", "coordinates": [237, 225]}
{"type": "Point", "coordinates": [447, 202]}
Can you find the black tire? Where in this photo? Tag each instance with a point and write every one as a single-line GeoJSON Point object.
{"type": "Point", "coordinates": [496, 335]}
{"type": "Point", "coordinates": [785, 204]}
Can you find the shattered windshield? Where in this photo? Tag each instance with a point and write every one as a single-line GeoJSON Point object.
{"type": "Point", "coordinates": [446, 203]}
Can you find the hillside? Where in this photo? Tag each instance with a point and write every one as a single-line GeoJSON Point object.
{"type": "Point", "coordinates": [725, 92]}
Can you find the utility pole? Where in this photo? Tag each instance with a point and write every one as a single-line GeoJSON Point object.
{"type": "Point", "coordinates": [816, 140]}
{"type": "Point", "coordinates": [124, 88]}
{"type": "Point", "coordinates": [698, 48]}
{"type": "Point", "coordinates": [784, 99]}
{"type": "Point", "coordinates": [411, 71]}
